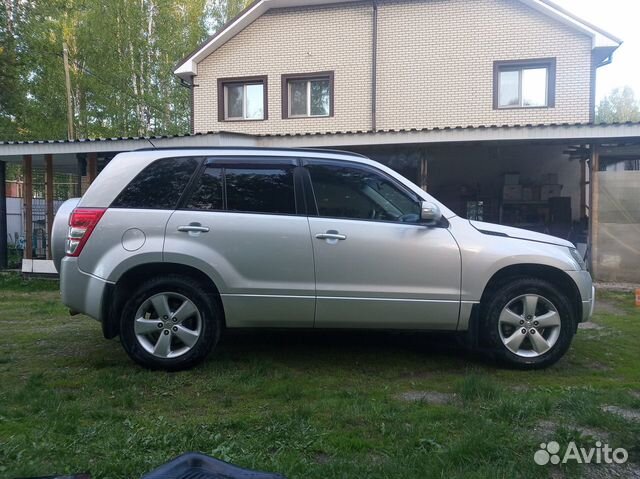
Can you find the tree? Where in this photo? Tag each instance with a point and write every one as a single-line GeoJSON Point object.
{"type": "Point", "coordinates": [619, 106]}
{"type": "Point", "coordinates": [121, 55]}
{"type": "Point", "coordinates": [220, 12]}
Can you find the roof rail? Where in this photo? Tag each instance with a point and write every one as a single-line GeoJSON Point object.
{"type": "Point", "coordinates": [254, 148]}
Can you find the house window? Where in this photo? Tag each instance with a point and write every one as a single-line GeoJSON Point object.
{"type": "Point", "coordinates": [242, 99]}
{"type": "Point", "coordinates": [524, 83]}
{"type": "Point", "coordinates": [307, 95]}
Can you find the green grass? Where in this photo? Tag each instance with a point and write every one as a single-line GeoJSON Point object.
{"type": "Point", "coordinates": [306, 405]}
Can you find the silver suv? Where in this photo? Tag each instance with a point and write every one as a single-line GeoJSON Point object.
{"type": "Point", "coordinates": [169, 247]}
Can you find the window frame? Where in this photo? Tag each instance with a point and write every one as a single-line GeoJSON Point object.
{"type": "Point", "coordinates": [519, 65]}
{"type": "Point", "coordinates": [308, 77]}
{"type": "Point", "coordinates": [314, 210]}
{"type": "Point", "coordinates": [224, 83]}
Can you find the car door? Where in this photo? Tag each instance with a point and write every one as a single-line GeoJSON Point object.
{"type": "Point", "coordinates": [376, 265]}
{"type": "Point", "coordinates": [240, 224]}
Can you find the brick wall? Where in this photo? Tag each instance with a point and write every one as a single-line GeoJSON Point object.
{"type": "Point", "coordinates": [435, 64]}
{"type": "Point", "coordinates": [303, 40]}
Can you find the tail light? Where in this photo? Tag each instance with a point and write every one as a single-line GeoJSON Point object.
{"type": "Point", "coordinates": [81, 224]}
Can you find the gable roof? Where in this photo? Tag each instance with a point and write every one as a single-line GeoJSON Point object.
{"type": "Point", "coordinates": [189, 65]}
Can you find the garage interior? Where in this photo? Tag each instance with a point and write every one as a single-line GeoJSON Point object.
{"type": "Point", "coordinates": [541, 187]}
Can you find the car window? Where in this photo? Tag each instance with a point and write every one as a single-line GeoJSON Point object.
{"type": "Point", "coordinates": [208, 192]}
{"type": "Point", "coordinates": [159, 185]}
{"type": "Point", "coordinates": [260, 189]}
{"type": "Point", "coordinates": [360, 193]}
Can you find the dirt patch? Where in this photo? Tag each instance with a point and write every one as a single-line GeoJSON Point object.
{"type": "Point", "coordinates": [589, 325]}
{"type": "Point", "coordinates": [430, 397]}
{"type": "Point", "coordinates": [606, 307]}
{"type": "Point", "coordinates": [597, 366]}
{"type": "Point", "coordinates": [626, 287]}
{"type": "Point", "coordinates": [628, 414]}
{"type": "Point", "coordinates": [322, 458]}
{"type": "Point", "coordinates": [598, 434]}
{"type": "Point", "coordinates": [607, 471]}
{"type": "Point", "coordinates": [544, 430]}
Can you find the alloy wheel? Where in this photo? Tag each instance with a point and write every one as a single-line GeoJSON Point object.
{"type": "Point", "coordinates": [529, 325]}
{"type": "Point", "coordinates": [167, 325]}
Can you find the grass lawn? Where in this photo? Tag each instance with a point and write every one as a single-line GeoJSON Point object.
{"type": "Point", "coordinates": [307, 405]}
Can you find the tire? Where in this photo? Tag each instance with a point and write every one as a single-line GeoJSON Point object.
{"type": "Point", "coordinates": [508, 314]}
{"type": "Point", "coordinates": [179, 339]}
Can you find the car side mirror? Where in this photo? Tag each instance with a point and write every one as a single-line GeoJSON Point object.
{"type": "Point", "coordinates": [429, 212]}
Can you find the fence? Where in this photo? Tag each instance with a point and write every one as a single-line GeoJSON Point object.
{"type": "Point", "coordinates": [16, 228]}
{"type": "Point", "coordinates": [618, 229]}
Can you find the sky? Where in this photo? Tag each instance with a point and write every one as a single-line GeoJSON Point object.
{"type": "Point", "coordinates": [622, 19]}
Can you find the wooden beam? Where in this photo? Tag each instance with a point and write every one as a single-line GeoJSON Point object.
{"type": "Point", "coordinates": [27, 170]}
{"type": "Point", "coordinates": [92, 166]}
{"type": "Point", "coordinates": [3, 217]}
{"type": "Point", "coordinates": [424, 170]}
{"type": "Point", "coordinates": [594, 209]}
{"type": "Point", "coordinates": [48, 161]}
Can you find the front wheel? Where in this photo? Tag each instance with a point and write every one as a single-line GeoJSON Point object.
{"type": "Point", "coordinates": [170, 323]}
{"type": "Point", "coordinates": [529, 323]}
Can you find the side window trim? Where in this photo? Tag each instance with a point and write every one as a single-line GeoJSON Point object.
{"type": "Point", "coordinates": [190, 188]}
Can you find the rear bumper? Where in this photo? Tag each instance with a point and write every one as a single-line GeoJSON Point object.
{"type": "Point", "coordinates": [81, 292]}
{"type": "Point", "coordinates": [587, 292]}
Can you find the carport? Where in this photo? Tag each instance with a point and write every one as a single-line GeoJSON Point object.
{"type": "Point", "coordinates": [579, 181]}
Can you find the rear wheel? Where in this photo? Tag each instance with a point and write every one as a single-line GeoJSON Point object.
{"type": "Point", "coordinates": [170, 323]}
{"type": "Point", "coordinates": [529, 323]}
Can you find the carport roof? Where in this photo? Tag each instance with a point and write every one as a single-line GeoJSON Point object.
{"type": "Point", "coordinates": [66, 151]}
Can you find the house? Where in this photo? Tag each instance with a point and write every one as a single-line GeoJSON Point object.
{"type": "Point", "coordinates": [291, 67]}
{"type": "Point", "coordinates": [348, 73]}
{"type": "Point", "coordinates": [487, 104]}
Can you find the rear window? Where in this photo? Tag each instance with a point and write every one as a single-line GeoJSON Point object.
{"type": "Point", "coordinates": [159, 185]}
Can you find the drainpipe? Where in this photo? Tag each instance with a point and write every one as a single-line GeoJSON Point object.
{"type": "Point", "coordinates": [190, 85]}
{"type": "Point", "coordinates": [374, 65]}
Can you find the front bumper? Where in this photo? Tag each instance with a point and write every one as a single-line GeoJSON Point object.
{"type": "Point", "coordinates": [587, 292]}
{"type": "Point", "coordinates": [81, 292]}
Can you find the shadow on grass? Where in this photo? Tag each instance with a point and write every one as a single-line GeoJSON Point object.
{"type": "Point", "coordinates": [300, 347]}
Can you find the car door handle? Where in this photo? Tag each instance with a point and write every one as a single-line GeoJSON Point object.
{"type": "Point", "coordinates": [330, 235]}
{"type": "Point", "coordinates": [193, 228]}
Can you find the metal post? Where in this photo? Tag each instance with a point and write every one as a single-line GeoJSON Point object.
{"type": "Point", "coordinates": [4, 261]}
{"type": "Point", "coordinates": [28, 205]}
{"type": "Point", "coordinates": [594, 210]}
{"type": "Point", "coordinates": [48, 161]}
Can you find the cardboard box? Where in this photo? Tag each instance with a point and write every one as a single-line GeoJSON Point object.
{"type": "Point", "coordinates": [550, 191]}
{"type": "Point", "coordinates": [512, 192]}
{"type": "Point", "coordinates": [512, 178]}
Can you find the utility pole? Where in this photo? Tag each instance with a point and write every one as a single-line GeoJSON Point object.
{"type": "Point", "coordinates": [67, 78]}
